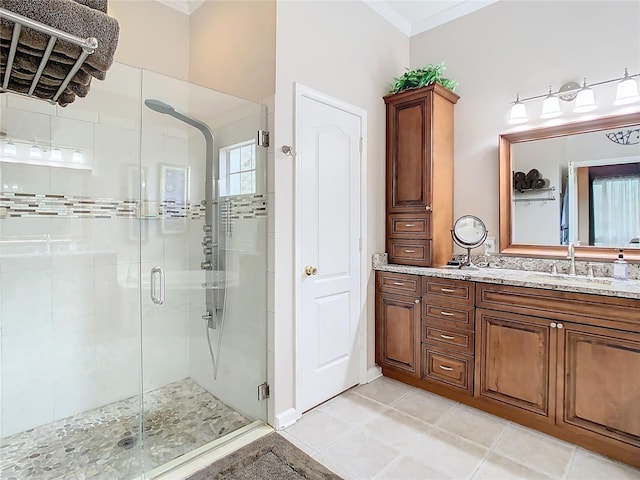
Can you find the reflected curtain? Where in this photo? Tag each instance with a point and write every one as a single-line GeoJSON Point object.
{"type": "Point", "coordinates": [616, 210]}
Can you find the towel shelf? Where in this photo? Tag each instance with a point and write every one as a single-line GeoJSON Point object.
{"type": "Point", "coordinates": [88, 46]}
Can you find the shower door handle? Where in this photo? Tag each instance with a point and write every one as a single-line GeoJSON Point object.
{"type": "Point", "coordinates": [157, 285]}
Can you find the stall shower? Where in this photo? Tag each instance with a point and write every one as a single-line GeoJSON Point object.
{"type": "Point", "coordinates": [129, 242]}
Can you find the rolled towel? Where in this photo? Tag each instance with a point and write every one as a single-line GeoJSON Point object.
{"type": "Point", "coordinates": [539, 183]}
{"type": "Point", "coordinates": [71, 17]}
{"type": "Point", "coordinates": [533, 175]}
{"type": "Point", "coordinates": [518, 177]}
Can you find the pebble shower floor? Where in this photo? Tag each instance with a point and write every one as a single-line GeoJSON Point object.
{"type": "Point", "coordinates": [104, 443]}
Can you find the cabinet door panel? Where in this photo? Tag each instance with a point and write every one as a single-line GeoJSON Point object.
{"type": "Point", "coordinates": [515, 356]}
{"type": "Point", "coordinates": [599, 376]}
{"type": "Point", "coordinates": [398, 335]}
{"type": "Point", "coordinates": [408, 167]}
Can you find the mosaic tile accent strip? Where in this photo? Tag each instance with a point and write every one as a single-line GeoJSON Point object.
{"type": "Point", "coordinates": [51, 205]}
{"type": "Point", "coordinates": [106, 443]}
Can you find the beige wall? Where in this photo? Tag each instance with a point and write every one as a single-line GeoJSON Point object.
{"type": "Point", "coordinates": [233, 47]}
{"type": "Point", "coordinates": [524, 46]}
{"type": "Point", "coordinates": [345, 50]}
{"type": "Point", "coordinates": [152, 36]}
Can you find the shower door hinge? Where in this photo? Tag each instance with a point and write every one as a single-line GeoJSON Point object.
{"type": "Point", "coordinates": [263, 138]}
{"type": "Point", "coordinates": [263, 391]}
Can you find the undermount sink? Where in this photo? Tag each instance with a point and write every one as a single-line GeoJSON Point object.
{"type": "Point", "coordinates": [570, 279]}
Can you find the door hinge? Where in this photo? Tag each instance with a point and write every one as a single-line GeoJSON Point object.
{"type": "Point", "coordinates": [263, 391]}
{"type": "Point", "coordinates": [263, 138]}
{"type": "Point", "coordinates": [360, 244]}
{"type": "Point", "coordinates": [361, 144]}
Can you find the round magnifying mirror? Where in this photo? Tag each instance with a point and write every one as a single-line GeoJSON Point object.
{"type": "Point", "coordinates": [469, 232]}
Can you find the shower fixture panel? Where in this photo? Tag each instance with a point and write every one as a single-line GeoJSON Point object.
{"type": "Point", "coordinates": [215, 273]}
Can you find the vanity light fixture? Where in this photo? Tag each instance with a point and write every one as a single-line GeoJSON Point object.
{"type": "Point", "coordinates": [35, 152]}
{"type": "Point", "coordinates": [518, 111]}
{"type": "Point", "coordinates": [551, 106]}
{"type": "Point", "coordinates": [583, 95]}
{"type": "Point", "coordinates": [10, 148]}
{"type": "Point", "coordinates": [585, 100]}
{"type": "Point", "coordinates": [56, 154]}
{"type": "Point", "coordinates": [627, 91]}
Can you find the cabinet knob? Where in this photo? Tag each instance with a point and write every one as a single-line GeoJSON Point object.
{"type": "Point", "coordinates": [309, 270]}
{"type": "Point", "coordinates": [553, 325]}
{"type": "Point", "coordinates": [428, 208]}
{"type": "Point", "coordinates": [416, 301]}
{"type": "Point", "coordinates": [560, 325]}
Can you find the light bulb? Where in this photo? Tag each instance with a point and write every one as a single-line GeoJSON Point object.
{"type": "Point", "coordinates": [10, 148]}
{"type": "Point", "coordinates": [518, 112]}
{"type": "Point", "coordinates": [56, 154]}
{"type": "Point", "coordinates": [35, 152]}
{"type": "Point", "coordinates": [77, 157]}
{"type": "Point", "coordinates": [627, 91]}
{"type": "Point", "coordinates": [551, 106]}
{"type": "Point", "coordinates": [585, 100]}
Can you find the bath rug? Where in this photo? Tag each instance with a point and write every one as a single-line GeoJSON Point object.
{"type": "Point", "coordinates": [268, 458]}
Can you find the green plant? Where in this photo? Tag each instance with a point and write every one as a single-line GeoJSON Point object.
{"type": "Point", "coordinates": [421, 77]}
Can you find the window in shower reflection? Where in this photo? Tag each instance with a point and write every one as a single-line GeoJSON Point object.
{"type": "Point", "coordinates": [238, 169]}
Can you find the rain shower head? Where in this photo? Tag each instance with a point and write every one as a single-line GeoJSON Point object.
{"type": "Point", "coordinates": [164, 108]}
{"type": "Point", "coordinates": [159, 106]}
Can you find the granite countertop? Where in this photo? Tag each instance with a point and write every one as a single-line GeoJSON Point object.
{"type": "Point", "coordinates": [525, 278]}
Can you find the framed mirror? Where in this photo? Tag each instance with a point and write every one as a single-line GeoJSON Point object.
{"type": "Point", "coordinates": [586, 189]}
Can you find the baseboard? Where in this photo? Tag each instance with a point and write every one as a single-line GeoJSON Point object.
{"type": "Point", "coordinates": [373, 373]}
{"type": "Point", "coordinates": [286, 418]}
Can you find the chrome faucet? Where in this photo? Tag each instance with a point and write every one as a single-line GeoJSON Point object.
{"type": "Point", "coordinates": [571, 255]}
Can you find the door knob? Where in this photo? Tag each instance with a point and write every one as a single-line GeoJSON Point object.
{"type": "Point", "coordinates": [309, 270]}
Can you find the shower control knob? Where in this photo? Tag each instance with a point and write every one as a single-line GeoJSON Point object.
{"type": "Point", "coordinates": [206, 265]}
{"type": "Point", "coordinates": [207, 251]}
{"type": "Point", "coordinates": [206, 241]}
{"type": "Point", "coordinates": [206, 228]}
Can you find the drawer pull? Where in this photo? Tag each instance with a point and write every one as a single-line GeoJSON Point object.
{"type": "Point", "coordinates": [447, 290]}
{"type": "Point", "coordinates": [398, 283]}
{"type": "Point", "coordinates": [409, 225]}
{"type": "Point", "coordinates": [409, 251]}
{"type": "Point", "coordinates": [448, 369]}
{"type": "Point", "coordinates": [447, 314]}
{"type": "Point", "coordinates": [446, 337]}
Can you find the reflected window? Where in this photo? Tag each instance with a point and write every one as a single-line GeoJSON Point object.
{"type": "Point", "coordinates": [238, 169]}
{"type": "Point", "coordinates": [616, 210]}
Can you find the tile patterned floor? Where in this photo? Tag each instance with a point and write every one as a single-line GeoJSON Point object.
{"type": "Point", "coordinates": [386, 430]}
{"type": "Point", "coordinates": [105, 443]}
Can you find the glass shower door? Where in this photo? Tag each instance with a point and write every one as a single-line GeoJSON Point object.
{"type": "Point", "coordinates": [203, 255]}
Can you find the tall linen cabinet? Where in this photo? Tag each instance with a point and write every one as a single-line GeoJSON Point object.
{"type": "Point", "coordinates": [419, 165]}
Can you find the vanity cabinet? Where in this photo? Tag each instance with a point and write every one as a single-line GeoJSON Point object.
{"type": "Point", "coordinates": [516, 358]}
{"type": "Point", "coordinates": [448, 333]}
{"type": "Point", "coordinates": [572, 362]}
{"type": "Point", "coordinates": [564, 363]}
{"type": "Point", "coordinates": [398, 322]}
{"type": "Point", "coordinates": [599, 382]}
{"type": "Point", "coordinates": [419, 162]}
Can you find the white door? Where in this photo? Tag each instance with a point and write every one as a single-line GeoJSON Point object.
{"type": "Point", "coordinates": [328, 143]}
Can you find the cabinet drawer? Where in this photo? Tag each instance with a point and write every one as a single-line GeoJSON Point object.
{"type": "Point", "coordinates": [458, 340]}
{"type": "Point", "coordinates": [442, 366]}
{"type": "Point", "coordinates": [458, 291]}
{"type": "Point", "coordinates": [409, 252]}
{"type": "Point", "coordinates": [409, 226]}
{"type": "Point", "coordinates": [401, 283]}
{"type": "Point", "coordinates": [450, 314]}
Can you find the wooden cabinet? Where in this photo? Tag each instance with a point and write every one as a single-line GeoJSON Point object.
{"type": "Point", "coordinates": [599, 383]}
{"type": "Point", "coordinates": [515, 362]}
{"type": "Point", "coordinates": [398, 322]}
{"type": "Point", "coordinates": [572, 362]}
{"type": "Point", "coordinates": [565, 363]}
{"type": "Point", "coordinates": [420, 176]}
{"type": "Point", "coordinates": [448, 333]}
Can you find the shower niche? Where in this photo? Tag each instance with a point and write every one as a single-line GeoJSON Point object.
{"type": "Point", "coordinates": [124, 273]}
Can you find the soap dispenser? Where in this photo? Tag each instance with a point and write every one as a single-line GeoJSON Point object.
{"type": "Point", "coordinates": [620, 267]}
